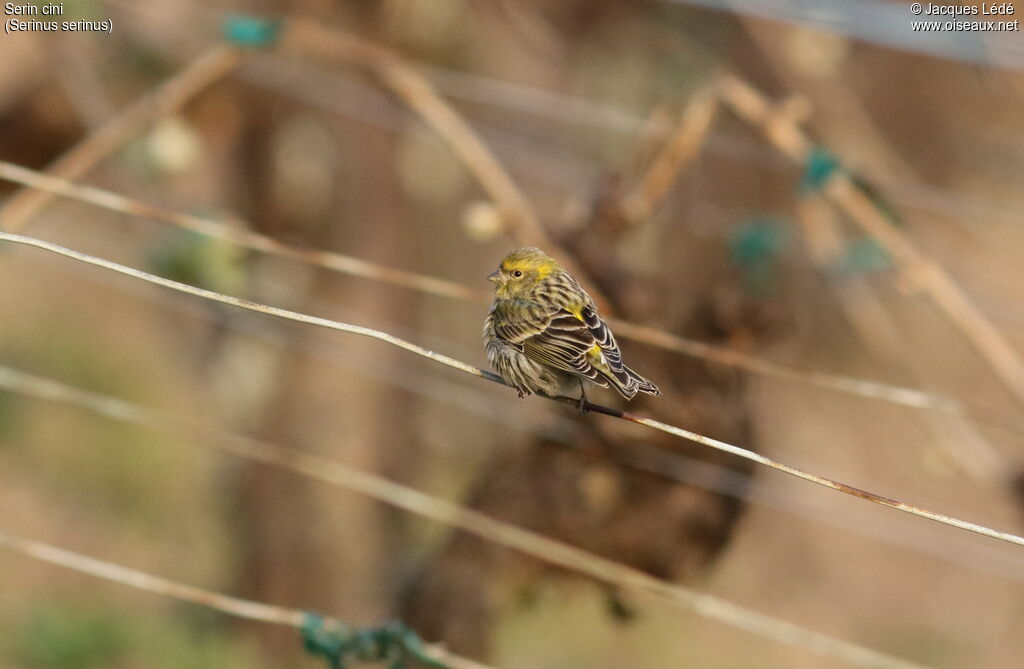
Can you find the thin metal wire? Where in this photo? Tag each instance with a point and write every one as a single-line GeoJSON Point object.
{"type": "Point", "coordinates": [338, 262]}
{"type": "Point", "coordinates": [233, 606]}
{"type": "Point", "coordinates": [474, 371]}
{"type": "Point", "coordinates": [668, 465]}
{"type": "Point", "coordinates": [672, 466]}
{"type": "Point", "coordinates": [55, 554]}
{"type": "Point", "coordinates": [454, 515]}
{"type": "Point", "coordinates": [925, 539]}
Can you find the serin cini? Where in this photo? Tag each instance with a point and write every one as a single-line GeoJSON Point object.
{"type": "Point", "coordinates": [543, 332]}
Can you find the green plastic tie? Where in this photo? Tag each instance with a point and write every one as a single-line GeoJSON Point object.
{"type": "Point", "coordinates": [821, 165]}
{"type": "Point", "coordinates": [391, 642]}
{"type": "Point", "coordinates": [251, 31]}
{"type": "Point", "coordinates": [317, 640]}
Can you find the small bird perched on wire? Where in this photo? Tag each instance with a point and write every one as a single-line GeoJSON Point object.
{"type": "Point", "coordinates": [543, 332]}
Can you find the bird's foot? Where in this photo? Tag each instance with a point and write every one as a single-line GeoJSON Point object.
{"type": "Point", "coordinates": [581, 406]}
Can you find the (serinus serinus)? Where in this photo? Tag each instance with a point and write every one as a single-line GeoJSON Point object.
{"type": "Point", "coordinates": [543, 332]}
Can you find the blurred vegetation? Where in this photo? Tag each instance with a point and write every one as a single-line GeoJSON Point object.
{"type": "Point", "coordinates": [575, 97]}
{"type": "Point", "coordinates": [55, 634]}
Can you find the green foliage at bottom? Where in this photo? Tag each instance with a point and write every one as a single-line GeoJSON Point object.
{"type": "Point", "coordinates": [59, 635]}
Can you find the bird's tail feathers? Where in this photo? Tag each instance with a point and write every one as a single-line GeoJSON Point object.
{"type": "Point", "coordinates": [629, 383]}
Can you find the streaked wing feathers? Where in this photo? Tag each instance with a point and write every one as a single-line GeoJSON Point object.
{"type": "Point", "coordinates": [564, 344]}
{"type": "Point", "coordinates": [574, 340]}
{"type": "Point", "coordinates": [565, 341]}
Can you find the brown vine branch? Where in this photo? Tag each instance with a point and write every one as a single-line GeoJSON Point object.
{"type": "Point", "coordinates": [166, 99]}
{"type": "Point", "coordinates": [681, 148]}
{"type": "Point", "coordinates": [755, 108]}
{"type": "Point", "coordinates": [304, 37]}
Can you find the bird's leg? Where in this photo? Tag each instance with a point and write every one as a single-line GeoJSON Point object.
{"type": "Point", "coordinates": [582, 406]}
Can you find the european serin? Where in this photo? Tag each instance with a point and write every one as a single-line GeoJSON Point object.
{"type": "Point", "coordinates": [543, 332]}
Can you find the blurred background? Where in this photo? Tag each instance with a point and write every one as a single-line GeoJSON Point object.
{"type": "Point", "coordinates": [633, 132]}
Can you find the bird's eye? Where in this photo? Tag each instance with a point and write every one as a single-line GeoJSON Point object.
{"type": "Point", "coordinates": [517, 273]}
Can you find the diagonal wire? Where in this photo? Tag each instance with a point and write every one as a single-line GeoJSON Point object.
{"type": "Point", "coordinates": [475, 371]}
{"type": "Point", "coordinates": [350, 265]}
{"type": "Point", "coordinates": [417, 92]}
{"type": "Point", "coordinates": [234, 606]}
{"type": "Point", "coordinates": [668, 465]}
{"type": "Point", "coordinates": [9, 542]}
{"type": "Point", "coordinates": [474, 522]}
{"type": "Point", "coordinates": [671, 466]}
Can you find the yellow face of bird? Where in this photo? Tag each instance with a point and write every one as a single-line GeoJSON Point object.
{"type": "Point", "coordinates": [520, 271]}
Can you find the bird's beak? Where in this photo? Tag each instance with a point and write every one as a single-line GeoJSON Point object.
{"type": "Point", "coordinates": [494, 277]}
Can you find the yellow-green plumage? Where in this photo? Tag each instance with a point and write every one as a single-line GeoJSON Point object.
{"type": "Point", "coordinates": [543, 331]}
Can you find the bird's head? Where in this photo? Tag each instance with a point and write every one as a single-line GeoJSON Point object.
{"type": "Point", "coordinates": [520, 271]}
